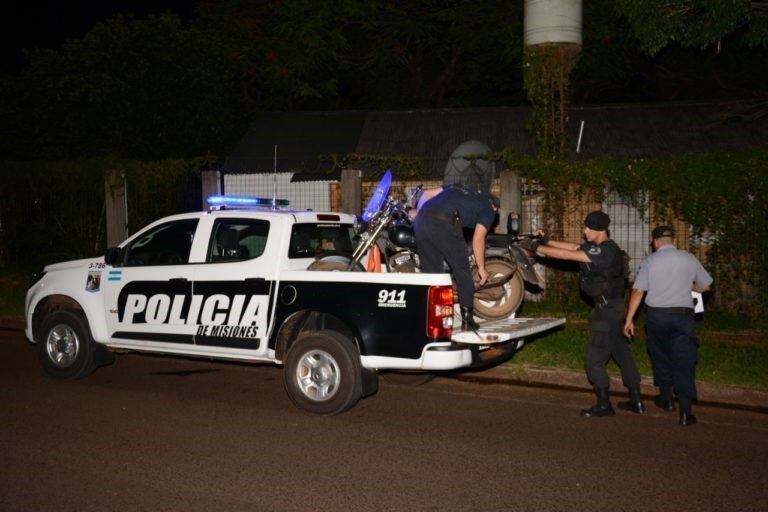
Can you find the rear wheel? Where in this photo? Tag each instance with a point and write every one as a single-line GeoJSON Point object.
{"type": "Point", "coordinates": [334, 263]}
{"type": "Point", "coordinates": [65, 347]}
{"type": "Point", "coordinates": [500, 302]}
{"type": "Point", "coordinates": [322, 373]}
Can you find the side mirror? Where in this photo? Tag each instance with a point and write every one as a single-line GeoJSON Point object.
{"type": "Point", "coordinates": [114, 257]}
{"type": "Point", "coordinates": [513, 224]}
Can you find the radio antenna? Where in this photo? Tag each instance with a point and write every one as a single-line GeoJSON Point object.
{"type": "Point", "coordinates": [274, 181]}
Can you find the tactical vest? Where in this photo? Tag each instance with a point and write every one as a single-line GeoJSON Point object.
{"type": "Point", "coordinates": [605, 282]}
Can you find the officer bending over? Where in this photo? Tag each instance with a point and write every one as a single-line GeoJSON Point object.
{"type": "Point", "coordinates": [438, 230]}
{"type": "Point", "coordinates": [669, 275]}
{"type": "Point", "coordinates": [601, 271]}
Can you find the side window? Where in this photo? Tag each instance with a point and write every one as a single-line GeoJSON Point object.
{"type": "Point", "coordinates": [237, 240]}
{"type": "Point", "coordinates": [166, 244]}
{"type": "Point", "coordinates": [308, 240]}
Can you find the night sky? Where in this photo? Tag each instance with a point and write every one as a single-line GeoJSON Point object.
{"type": "Point", "coordinates": [48, 23]}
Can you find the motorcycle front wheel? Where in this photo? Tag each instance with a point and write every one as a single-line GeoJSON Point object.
{"type": "Point", "coordinates": [502, 305]}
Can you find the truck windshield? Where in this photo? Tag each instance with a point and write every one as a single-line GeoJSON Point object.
{"type": "Point", "coordinates": [310, 239]}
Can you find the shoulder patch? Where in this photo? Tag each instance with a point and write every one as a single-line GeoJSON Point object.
{"type": "Point", "coordinates": [594, 250]}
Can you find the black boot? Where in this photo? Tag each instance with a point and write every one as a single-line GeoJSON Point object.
{"type": "Point", "coordinates": [665, 401]}
{"type": "Point", "coordinates": [686, 416]}
{"type": "Point", "coordinates": [634, 404]}
{"type": "Point", "coordinates": [467, 319]}
{"type": "Point", "coordinates": [602, 407]}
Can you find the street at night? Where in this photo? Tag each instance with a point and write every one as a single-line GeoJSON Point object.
{"type": "Point", "coordinates": [162, 433]}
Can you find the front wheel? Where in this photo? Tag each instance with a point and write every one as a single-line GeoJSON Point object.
{"type": "Point", "coordinates": [64, 347]}
{"type": "Point", "coordinates": [498, 305]}
{"type": "Point", "coordinates": [322, 373]}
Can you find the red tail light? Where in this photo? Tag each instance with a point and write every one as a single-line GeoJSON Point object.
{"type": "Point", "coordinates": [440, 312]}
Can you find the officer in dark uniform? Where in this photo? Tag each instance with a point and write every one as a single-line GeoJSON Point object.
{"type": "Point", "coordinates": [601, 277]}
{"type": "Point", "coordinates": [668, 276]}
{"type": "Point", "coordinates": [438, 229]}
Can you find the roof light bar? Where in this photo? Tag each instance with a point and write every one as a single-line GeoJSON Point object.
{"type": "Point", "coordinates": [244, 201]}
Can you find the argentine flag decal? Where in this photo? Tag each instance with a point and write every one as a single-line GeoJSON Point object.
{"type": "Point", "coordinates": [115, 275]}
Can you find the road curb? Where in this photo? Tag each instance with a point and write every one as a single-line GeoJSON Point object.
{"type": "Point", "coordinates": [510, 373]}
{"type": "Point", "coordinates": [11, 323]}
{"type": "Point", "coordinates": [559, 378]}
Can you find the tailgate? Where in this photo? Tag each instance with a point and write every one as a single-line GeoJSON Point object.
{"type": "Point", "coordinates": [499, 331]}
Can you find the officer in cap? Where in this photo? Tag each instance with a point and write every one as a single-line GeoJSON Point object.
{"type": "Point", "coordinates": [601, 277]}
{"type": "Point", "coordinates": [442, 213]}
{"type": "Point", "coordinates": [668, 276]}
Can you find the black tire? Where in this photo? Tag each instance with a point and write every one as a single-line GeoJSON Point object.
{"type": "Point", "coordinates": [334, 263]}
{"type": "Point", "coordinates": [406, 378]}
{"type": "Point", "coordinates": [65, 347]}
{"type": "Point", "coordinates": [322, 373]}
{"type": "Point", "coordinates": [514, 291]}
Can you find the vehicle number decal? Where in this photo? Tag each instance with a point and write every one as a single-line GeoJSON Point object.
{"type": "Point", "coordinates": [392, 298]}
{"type": "Point", "coordinates": [97, 265]}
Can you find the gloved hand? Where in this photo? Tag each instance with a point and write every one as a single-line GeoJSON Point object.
{"type": "Point", "coordinates": [541, 237]}
{"type": "Point", "coordinates": [530, 244]}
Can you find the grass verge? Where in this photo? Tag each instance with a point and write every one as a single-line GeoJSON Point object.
{"type": "Point", "coordinates": [719, 363]}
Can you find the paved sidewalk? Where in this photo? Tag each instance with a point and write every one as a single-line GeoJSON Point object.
{"type": "Point", "coordinates": [510, 373]}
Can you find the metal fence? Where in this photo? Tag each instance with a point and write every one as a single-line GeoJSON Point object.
{"type": "Point", "coordinates": [631, 218]}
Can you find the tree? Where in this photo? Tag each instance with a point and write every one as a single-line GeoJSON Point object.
{"type": "Point", "coordinates": [696, 23]}
{"type": "Point", "coordinates": [134, 88]}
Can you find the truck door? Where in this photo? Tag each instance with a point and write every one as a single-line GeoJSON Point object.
{"type": "Point", "coordinates": [236, 284]}
{"type": "Point", "coordinates": [148, 297]}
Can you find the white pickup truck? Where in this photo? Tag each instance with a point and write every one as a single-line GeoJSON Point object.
{"type": "Point", "coordinates": [232, 284]}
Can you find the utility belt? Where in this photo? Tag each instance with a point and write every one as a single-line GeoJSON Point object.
{"type": "Point", "coordinates": [450, 219]}
{"type": "Point", "coordinates": [671, 311]}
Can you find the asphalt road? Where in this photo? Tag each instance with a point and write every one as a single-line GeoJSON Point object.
{"type": "Point", "coordinates": [159, 433]}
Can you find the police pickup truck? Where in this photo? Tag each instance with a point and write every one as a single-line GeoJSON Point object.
{"type": "Point", "coordinates": [233, 284]}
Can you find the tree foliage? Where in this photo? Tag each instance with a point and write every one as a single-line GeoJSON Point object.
{"type": "Point", "coordinates": [155, 87]}
{"type": "Point", "coordinates": [137, 88]}
{"type": "Point", "coordinates": [696, 23]}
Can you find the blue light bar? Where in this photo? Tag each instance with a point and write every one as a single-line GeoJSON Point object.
{"type": "Point", "coordinates": [245, 201]}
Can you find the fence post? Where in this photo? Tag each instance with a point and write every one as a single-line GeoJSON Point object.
{"type": "Point", "coordinates": [210, 181]}
{"type": "Point", "coordinates": [511, 197]}
{"type": "Point", "coordinates": [116, 207]}
{"type": "Point", "coordinates": [351, 191]}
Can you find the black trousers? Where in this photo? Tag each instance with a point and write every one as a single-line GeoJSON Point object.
{"type": "Point", "coordinates": [674, 351]}
{"type": "Point", "coordinates": [606, 341]}
{"type": "Point", "coordinates": [437, 239]}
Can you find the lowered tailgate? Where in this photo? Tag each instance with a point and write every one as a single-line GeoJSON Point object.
{"type": "Point", "coordinates": [492, 332]}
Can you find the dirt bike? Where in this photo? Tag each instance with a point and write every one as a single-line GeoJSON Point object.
{"type": "Point", "coordinates": [388, 228]}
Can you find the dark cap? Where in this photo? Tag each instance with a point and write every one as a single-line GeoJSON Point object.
{"type": "Point", "coordinates": [493, 199]}
{"type": "Point", "coordinates": [663, 232]}
{"type": "Point", "coordinates": [597, 221]}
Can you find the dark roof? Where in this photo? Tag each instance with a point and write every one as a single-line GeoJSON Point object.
{"type": "Point", "coordinates": [301, 137]}
{"type": "Point", "coordinates": [650, 130]}
{"type": "Point", "coordinates": [430, 136]}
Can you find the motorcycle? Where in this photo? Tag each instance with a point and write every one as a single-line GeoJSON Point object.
{"type": "Point", "coordinates": [388, 229]}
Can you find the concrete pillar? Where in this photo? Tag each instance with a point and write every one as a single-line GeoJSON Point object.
{"type": "Point", "coordinates": [511, 197]}
{"type": "Point", "coordinates": [351, 191]}
{"type": "Point", "coordinates": [116, 207]}
{"type": "Point", "coordinates": [211, 185]}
